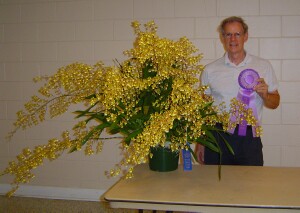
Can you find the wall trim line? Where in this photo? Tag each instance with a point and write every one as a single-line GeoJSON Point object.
{"type": "Point", "coordinates": [55, 192]}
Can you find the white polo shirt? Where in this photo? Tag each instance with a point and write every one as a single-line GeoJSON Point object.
{"type": "Point", "coordinates": [222, 78]}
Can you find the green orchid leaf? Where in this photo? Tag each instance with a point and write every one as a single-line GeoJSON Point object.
{"type": "Point", "coordinates": [209, 144]}
{"type": "Point", "coordinates": [90, 96]}
{"type": "Point", "coordinates": [127, 140]}
{"type": "Point", "coordinates": [114, 128]}
{"type": "Point", "coordinates": [227, 144]}
{"type": "Point", "coordinates": [148, 71]}
{"type": "Point", "coordinates": [98, 128]}
{"type": "Point", "coordinates": [193, 154]}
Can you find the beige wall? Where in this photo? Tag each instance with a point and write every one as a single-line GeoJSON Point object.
{"type": "Point", "coordinates": [38, 36]}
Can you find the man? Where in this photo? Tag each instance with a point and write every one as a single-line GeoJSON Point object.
{"type": "Point", "coordinates": [222, 77]}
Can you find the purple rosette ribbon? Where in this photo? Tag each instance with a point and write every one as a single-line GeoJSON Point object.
{"type": "Point", "coordinates": [247, 81]}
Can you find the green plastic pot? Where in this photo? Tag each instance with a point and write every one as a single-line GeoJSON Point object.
{"type": "Point", "coordinates": [163, 159]}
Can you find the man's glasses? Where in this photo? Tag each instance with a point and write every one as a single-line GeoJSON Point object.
{"type": "Point", "coordinates": [229, 35]}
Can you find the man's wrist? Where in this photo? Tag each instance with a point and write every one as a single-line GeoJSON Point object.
{"type": "Point", "coordinates": [267, 96]}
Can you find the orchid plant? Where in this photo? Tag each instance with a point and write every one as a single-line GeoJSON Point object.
{"type": "Point", "coordinates": [152, 97]}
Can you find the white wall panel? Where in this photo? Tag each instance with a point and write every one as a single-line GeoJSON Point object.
{"type": "Point", "coordinates": [39, 36]}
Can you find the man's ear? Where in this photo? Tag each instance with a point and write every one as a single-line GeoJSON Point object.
{"type": "Point", "coordinates": [246, 37]}
{"type": "Point", "coordinates": [222, 39]}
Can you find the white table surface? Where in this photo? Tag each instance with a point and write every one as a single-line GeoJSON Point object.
{"type": "Point", "coordinates": [241, 189]}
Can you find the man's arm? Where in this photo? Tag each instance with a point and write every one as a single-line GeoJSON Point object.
{"type": "Point", "coordinates": [271, 99]}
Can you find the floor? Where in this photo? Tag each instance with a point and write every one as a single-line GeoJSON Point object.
{"type": "Point", "coordinates": [39, 205]}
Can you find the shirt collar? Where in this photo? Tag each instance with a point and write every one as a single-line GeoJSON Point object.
{"type": "Point", "coordinates": [243, 63]}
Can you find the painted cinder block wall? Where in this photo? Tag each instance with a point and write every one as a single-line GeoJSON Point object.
{"type": "Point", "coordinates": [39, 36]}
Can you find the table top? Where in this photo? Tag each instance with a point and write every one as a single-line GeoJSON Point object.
{"type": "Point", "coordinates": [240, 186]}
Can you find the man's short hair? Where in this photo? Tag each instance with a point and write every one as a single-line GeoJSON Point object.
{"type": "Point", "coordinates": [232, 19]}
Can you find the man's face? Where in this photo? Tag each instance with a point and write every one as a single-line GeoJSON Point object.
{"type": "Point", "coordinates": [234, 38]}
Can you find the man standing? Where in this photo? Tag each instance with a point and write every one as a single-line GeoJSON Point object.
{"type": "Point", "coordinates": [223, 78]}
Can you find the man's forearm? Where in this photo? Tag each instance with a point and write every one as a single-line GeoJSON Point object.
{"type": "Point", "coordinates": [272, 100]}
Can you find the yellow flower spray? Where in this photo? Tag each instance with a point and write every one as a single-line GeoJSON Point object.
{"type": "Point", "coordinates": [149, 98]}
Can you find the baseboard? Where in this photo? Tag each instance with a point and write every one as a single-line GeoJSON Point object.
{"type": "Point", "coordinates": [55, 192]}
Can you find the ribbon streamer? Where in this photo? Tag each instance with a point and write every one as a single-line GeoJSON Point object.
{"type": "Point", "coordinates": [247, 80]}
